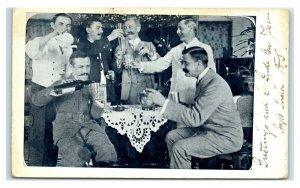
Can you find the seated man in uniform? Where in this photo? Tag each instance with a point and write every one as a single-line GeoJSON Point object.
{"type": "Point", "coordinates": [77, 135]}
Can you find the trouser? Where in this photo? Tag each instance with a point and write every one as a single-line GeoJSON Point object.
{"type": "Point", "coordinates": [83, 146]}
{"type": "Point", "coordinates": [186, 142]}
{"type": "Point", "coordinates": [41, 151]}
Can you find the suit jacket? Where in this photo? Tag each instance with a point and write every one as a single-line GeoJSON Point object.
{"type": "Point", "coordinates": [214, 109]}
{"type": "Point", "coordinates": [133, 76]}
{"type": "Point", "coordinates": [102, 47]}
{"type": "Point", "coordinates": [94, 50]}
{"type": "Point", "coordinates": [78, 102]}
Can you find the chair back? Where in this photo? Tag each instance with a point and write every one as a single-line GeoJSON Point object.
{"type": "Point", "coordinates": [244, 105]}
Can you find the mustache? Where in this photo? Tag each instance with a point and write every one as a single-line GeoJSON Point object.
{"type": "Point", "coordinates": [84, 74]}
{"type": "Point", "coordinates": [129, 33]}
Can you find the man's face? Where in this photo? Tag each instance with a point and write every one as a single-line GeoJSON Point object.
{"type": "Point", "coordinates": [190, 66]}
{"type": "Point", "coordinates": [62, 24]}
{"type": "Point", "coordinates": [184, 31]}
{"type": "Point", "coordinates": [131, 30]}
{"type": "Point", "coordinates": [95, 31]}
{"type": "Point", "coordinates": [81, 68]}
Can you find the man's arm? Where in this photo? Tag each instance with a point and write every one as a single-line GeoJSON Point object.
{"type": "Point", "coordinates": [34, 48]}
{"type": "Point", "coordinates": [97, 109]}
{"type": "Point", "coordinates": [158, 65]}
{"type": "Point", "coordinates": [205, 105]}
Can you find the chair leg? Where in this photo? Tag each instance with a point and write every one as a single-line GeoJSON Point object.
{"type": "Point", "coordinates": [236, 162]}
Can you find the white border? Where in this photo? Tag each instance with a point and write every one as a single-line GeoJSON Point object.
{"type": "Point", "coordinates": [291, 4]}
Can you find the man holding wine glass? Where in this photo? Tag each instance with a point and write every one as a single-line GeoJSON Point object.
{"type": "Point", "coordinates": [130, 49]}
{"type": "Point", "coordinates": [99, 50]}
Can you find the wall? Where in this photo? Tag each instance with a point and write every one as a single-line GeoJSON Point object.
{"type": "Point", "coordinates": [238, 25]}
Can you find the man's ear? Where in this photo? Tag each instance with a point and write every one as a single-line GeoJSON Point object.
{"type": "Point", "coordinates": [200, 63]}
{"type": "Point", "coordinates": [138, 28]}
{"type": "Point", "coordinates": [88, 30]}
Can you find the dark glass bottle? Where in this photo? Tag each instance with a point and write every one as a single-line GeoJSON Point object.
{"type": "Point", "coordinates": [71, 86]}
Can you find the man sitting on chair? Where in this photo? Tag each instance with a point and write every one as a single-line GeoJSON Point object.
{"type": "Point", "coordinates": [212, 124]}
{"type": "Point", "coordinates": [76, 134]}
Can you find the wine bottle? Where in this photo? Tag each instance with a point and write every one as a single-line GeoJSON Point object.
{"type": "Point", "coordinates": [102, 89]}
{"type": "Point", "coordinates": [71, 86]}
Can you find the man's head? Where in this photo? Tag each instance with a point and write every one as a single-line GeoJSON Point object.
{"type": "Point", "coordinates": [194, 61]}
{"type": "Point", "coordinates": [94, 30]}
{"type": "Point", "coordinates": [62, 23]}
{"type": "Point", "coordinates": [80, 65]}
{"type": "Point", "coordinates": [186, 29]}
{"type": "Point", "coordinates": [132, 27]}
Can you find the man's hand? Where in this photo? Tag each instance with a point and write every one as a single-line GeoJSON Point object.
{"type": "Point", "coordinates": [155, 96]}
{"type": "Point", "coordinates": [116, 33]}
{"type": "Point", "coordinates": [119, 54]}
{"type": "Point", "coordinates": [67, 80]}
{"type": "Point", "coordinates": [110, 75]}
{"type": "Point", "coordinates": [136, 65]}
{"type": "Point", "coordinates": [145, 51]}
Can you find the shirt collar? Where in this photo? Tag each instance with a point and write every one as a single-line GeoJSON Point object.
{"type": "Point", "coordinates": [187, 45]}
{"type": "Point", "coordinates": [202, 74]}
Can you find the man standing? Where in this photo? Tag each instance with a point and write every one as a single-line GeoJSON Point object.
{"type": "Point", "coordinates": [185, 86]}
{"type": "Point", "coordinates": [100, 52]}
{"type": "Point", "coordinates": [212, 124]}
{"type": "Point", "coordinates": [50, 55]}
{"type": "Point", "coordinates": [133, 49]}
{"type": "Point", "coordinates": [75, 131]}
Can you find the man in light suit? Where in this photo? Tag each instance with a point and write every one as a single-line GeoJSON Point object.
{"type": "Point", "coordinates": [185, 86]}
{"type": "Point", "coordinates": [133, 82]}
{"type": "Point", "coordinates": [212, 124]}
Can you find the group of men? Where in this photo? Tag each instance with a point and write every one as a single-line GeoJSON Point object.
{"type": "Point", "coordinates": [210, 125]}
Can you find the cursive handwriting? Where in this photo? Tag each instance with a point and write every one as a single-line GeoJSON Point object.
{"type": "Point", "coordinates": [266, 112]}
{"type": "Point", "coordinates": [280, 123]}
{"type": "Point", "coordinates": [264, 148]}
{"type": "Point", "coordinates": [267, 50]}
{"type": "Point", "coordinates": [272, 66]}
{"type": "Point", "coordinates": [279, 62]}
{"type": "Point", "coordinates": [280, 95]}
{"type": "Point", "coordinates": [266, 29]}
{"type": "Point", "coordinates": [266, 73]}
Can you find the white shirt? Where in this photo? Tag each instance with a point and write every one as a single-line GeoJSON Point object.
{"type": "Point", "coordinates": [48, 64]}
{"type": "Point", "coordinates": [186, 86]}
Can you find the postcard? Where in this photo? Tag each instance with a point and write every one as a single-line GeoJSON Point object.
{"type": "Point", "coordinates": [158, 93]}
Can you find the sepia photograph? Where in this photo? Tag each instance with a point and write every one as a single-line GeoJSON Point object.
{"type": "Point", "coordinates": [150, 93]}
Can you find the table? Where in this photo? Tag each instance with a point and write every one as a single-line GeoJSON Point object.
{"type": "Point", "coordinates": [136, 123]}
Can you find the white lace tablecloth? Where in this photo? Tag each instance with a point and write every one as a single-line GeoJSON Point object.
{"type": "Point", "coordinates": [136, 123]}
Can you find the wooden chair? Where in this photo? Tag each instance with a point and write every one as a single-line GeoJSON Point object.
{"type": "Point", "coordinates": [242, 159]}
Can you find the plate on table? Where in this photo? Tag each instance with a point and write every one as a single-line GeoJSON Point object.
{"type": "Point", "coordinates": [119, 108]}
